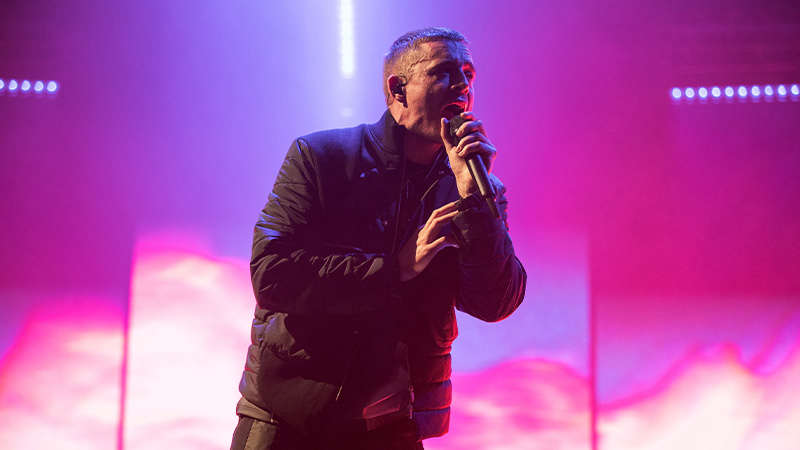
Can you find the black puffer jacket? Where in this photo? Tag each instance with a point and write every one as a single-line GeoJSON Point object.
{"type": "Point", "coordinates": [338, 343]}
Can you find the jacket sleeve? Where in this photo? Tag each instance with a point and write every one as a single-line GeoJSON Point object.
{"type": "Point", "coordinates": [292, 271]}
{"type": "Point", "coordinates": [492, 279]}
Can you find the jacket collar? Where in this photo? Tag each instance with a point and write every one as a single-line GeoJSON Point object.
{"type": "Point", "coordinates": [388, 136]}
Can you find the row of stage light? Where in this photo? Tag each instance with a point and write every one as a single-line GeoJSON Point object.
{"type": "Point", "coordinates": [781, 92]}
{"type": "Point", "coordinates": [13, 86]}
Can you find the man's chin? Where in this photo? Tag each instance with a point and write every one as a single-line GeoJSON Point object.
{"type": "Point", "coordinates": [434, 138]}
{"type": "Point", "coordinates": [432, 135]}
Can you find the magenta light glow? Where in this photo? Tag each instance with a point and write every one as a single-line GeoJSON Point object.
{"type": "Point", "coordinates": [529, 404]}
{"type": "Point", "coordinates": [60, 383]}
{"type": "Point", "coordinates": [711, 400]}
{"type": "Point", "coordinates": [189, 330]}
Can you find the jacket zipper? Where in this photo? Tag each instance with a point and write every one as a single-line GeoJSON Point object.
{"type": "Point", "coordinates": [347, 367]}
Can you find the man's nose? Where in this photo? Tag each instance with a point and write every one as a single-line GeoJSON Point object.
{"type": "Point", "coordinates": [460, 82]}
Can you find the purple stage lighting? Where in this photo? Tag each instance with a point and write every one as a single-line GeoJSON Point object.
{"type": "Point", "coordinates": [729, 92]}
{"type": "Point", "coordinates": [347, 46]}
{"type": "Point", "coordinates": [2, 85]}
{"type": "Point", "coordinates": [716, 92]}
{"type": "Point", "coordinates": [25, 86]}
{"type": "Point", "coordinates": [768, 91]}
{"type": "Point", "coordinates": [755, 91]}
{"type": "Point", "coordinates": [742, 91]}
{"type": "Point", "coordinates": [12, 86]}
{"type": "Point", "coordinates": [676, 93]}
{"type": "Point", "coordinates": [702, 92]}
{"type": "Point", "coordinates": [38, 87]}
{"type": "Point", "coordinates": [52, 87]}
{"type": "Point", "coordinates": [689, 92]}
{"type": "Point", "coordinates": [782, 90]}
{"type": "Point", "coordinates": [795, 89]}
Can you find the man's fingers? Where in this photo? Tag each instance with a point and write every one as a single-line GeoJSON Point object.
{"type": "Point", "coordinates": [452, 206]}
{"type": "Point", "coordinates": [442, 243]}
{"type": "Point", "coordinates": [441, 213]}
{"type": "Point", "coordinates": [444, 132]}
{"type": "Point", "coordinates": [439, 220]}
{"type": "Point", "coordinates": [481, 148]}
{"type": "Point", "coordinates": [467, 115]}
{"type": "Point", "coordinates": [444, 217]}
{"type": "Point", "coordinates": [435, 224]}
{"type": "Point", "coordinates": [474, 137]}
{"type": "Point", "coordinates": [470, 127]}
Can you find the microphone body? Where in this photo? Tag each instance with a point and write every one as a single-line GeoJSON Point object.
{"type": "Point", "coordinates": [477, 169]}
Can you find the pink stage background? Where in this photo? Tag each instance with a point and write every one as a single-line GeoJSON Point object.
{"type": "Point", "coordinates": [660, 235]}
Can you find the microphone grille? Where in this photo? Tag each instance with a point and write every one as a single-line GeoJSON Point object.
{"type": "Point", "coordinates": [455, 122]}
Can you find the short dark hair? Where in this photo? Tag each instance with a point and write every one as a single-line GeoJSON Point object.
{"type": "Point", "coordinates": [410, 41]}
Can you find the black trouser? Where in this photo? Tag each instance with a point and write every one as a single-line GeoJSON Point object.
{"type": "Point", "coordinates": [253, 434]}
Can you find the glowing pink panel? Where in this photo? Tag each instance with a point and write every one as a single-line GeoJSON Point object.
{"type": "Point", "coordinates": [711, 400]}
{"type": "Point", "coordinates": [189, 330]}
{"type": "Point", "coordinates": [528, 404]}
{"type": "Point", "coordinates": [190, 316]}
{"type": "Point", "coordinates": [60, 382]}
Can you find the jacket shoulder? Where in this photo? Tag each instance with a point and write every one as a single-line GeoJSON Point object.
{"type": "Point", "coordinates": [498, 185]}
{"type": "Point", "coordinates": [334, 142]}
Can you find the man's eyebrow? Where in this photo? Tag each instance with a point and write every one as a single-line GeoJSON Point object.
{"type": "Point", "coordinates": [452, 63]}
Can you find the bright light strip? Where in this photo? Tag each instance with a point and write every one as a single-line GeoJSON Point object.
{"type": "Point", "coordinates": [347, 46]}
{"type": "Point", "coordinates": [753, 92]}
{"type": "Point", "coordinates": [26, 86]}
{"type": "Point", "coordinates": [742, 91]}
{"type": "Point", "coordinates": [729, 92]}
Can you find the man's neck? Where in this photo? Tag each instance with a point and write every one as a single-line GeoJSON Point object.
{"type": "Point", "coordinates": [419, 150]}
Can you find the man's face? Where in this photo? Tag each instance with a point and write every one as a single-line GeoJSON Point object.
{"type": "Point", "coordinates": [439, 85]}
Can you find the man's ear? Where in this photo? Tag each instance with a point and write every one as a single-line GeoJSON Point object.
{"type": "Point", "coordinates": [396, 85]}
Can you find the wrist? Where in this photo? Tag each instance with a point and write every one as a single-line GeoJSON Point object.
{"type": "Point", "coordinates": [466, 186]}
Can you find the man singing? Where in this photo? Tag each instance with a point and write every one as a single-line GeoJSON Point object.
{"type": "Point", "coordinates": [371, 237]}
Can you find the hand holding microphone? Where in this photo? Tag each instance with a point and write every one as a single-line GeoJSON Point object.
{"type": "Point", "coordinates": [470, 151]}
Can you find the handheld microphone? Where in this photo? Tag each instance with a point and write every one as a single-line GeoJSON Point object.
{"type": "Point", "coordinates": [476, 168]}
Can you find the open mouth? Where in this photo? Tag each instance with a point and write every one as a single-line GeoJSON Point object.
{"type": "Point", "coordinates": [452, 110]}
